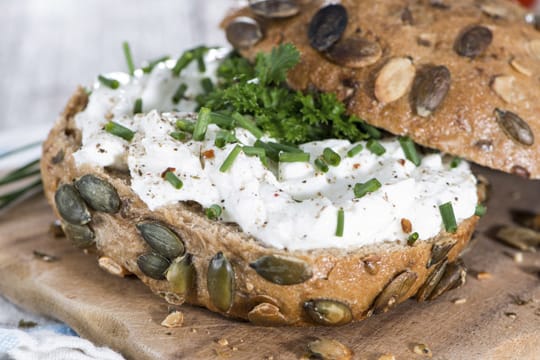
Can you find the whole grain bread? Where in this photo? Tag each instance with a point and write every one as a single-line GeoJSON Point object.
{"type": "Point", "coordinates": [343, 286]}
{"type": "Point", "coordinates": [394, 54]}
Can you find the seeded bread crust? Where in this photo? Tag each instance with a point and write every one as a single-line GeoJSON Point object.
{"type": "Point", "coordinates": [506, 75]}
{"type": "Point", "coordinates": [354, 278]}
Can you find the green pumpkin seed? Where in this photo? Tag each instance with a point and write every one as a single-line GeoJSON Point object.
{"type": "Point", "coordinates": [454, 276]}
{"type": "Point", "coordinates": [518, 237]}
{"type": "Point", "coordinates": [282, 270]}
{"type": "Point", "coordinates": [153, 265]}
{"type": "Point", "coordinates": [181, 274]}
{"type": "Point", "coordinates": [329, 349]}
{"type": "Point", "coordinates": [71, 206]}
{"type": "Point", "coordinates": [161, 239]}
{"type": "Point", "coordinates": [328, 312]}
{"type": "Point", "coordinates": [98, 193]}
{"type": "Point", "coordinates": [432, 281]}
{"type": "Point", "coordinates": [439, 251]}
{"type": "Point", "coordinates": [81, 235]}
{"type": "Point", "coordinates": [220, 282]}
{"type": "Point", "coordinates": [394, 292]}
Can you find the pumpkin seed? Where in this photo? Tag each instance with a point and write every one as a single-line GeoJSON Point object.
{"type": "Point", "coordinates": [394, 79]}
{"type": "Point", "coordinates": [220, 282]}
{"type": "Point", "coordinates": [181, 274]}
{"type": "Point", "coordinates": [454, 276]}
{"type": "Point", "coordinates": [71, 206]}
{"type": "Point", "coordinates": [328, 312]}
{"type": "Point", "coordinates": [329, 349]}
{"type": "Point", "coordinates": [394, 292]}
{"type": "Point", "coordinates": [519, 237]}
{"type": "Point", "coordinates": [243, 32]}
{"type": "Point", "coordinates": [81, 235]}
{"type": "Point", "coordinates": [274, 9]}
{"type": "Point", "coordinates": [327, 26]}
{"type": "Point", "coordinates": [161, 239]}
{"type": "Point", "coordinates": [439, 251]}
{"type": "Point", "coordinates": [505, 86]}
{"type": "Point", "coordinates": [430, 88]}
{"type": "Point", "coordinates": [355, 52]}
{"type": "Point", "coordinates": [153, 265]}
{"type": "Point", "coordinates": [432, 281]}
{"type": "Point", "coordinates": [98, 193]}
{"type": "Point", "coordinates": [266, 314]}
{"type": "Point", "coordinates": [282, 270]}
{"type": "Point", "coordinates": [514, 127]}
{"type": "Point", "coordinates": [473, 41]}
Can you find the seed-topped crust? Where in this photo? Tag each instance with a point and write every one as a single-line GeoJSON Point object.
{"type": "Point", "coordinates": [476, 41]}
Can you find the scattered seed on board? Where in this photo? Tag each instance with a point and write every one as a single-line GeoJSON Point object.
{"type": "Point", "coordinates": [422, 349]}
{"type": "Point", "coordinates": [173, 320]}
{"type": "Point", "coordinates": [45, 257]}
{"type": "Point", "coordinates": [459, 301]}
{"type": "Point", "coordinates": [329, 349]}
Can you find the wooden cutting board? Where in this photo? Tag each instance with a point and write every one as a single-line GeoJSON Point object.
{"type": "Point", "coordinates": [121, 313]}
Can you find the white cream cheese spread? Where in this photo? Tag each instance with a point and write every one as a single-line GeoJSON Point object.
{"type": "Point", "coordinates": [293, 206]}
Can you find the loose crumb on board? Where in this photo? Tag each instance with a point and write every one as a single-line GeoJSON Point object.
{"type": "Point", "coordinates": [173, 320]}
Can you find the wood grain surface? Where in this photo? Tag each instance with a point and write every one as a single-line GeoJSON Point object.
{"type": "Point", "coordinates": [124, 315]}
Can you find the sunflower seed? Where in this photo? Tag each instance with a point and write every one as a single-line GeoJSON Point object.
{"type": "Point", "coordinates": [473, 41]}
{"type": "Point", "coordinates": [355, 52]}
{"type": "Point", "coordinates": [515, 127]}
{"type": "Point", "coordinates": [98, 193]}
{"type": "Point", "coordinates": [329, 349]}
{"type": "Point", "coordinates": [439, 250]}
{"type": "Point", "coordinates": [494, 11]}
{"type": "Point", "coordinates": [221, 282]}
{"type": "Point", "coordinates": [81, 235]}
{"type": "Point", "coordinates": [153, 265]}
{"type": "Point", "coordinates": [282, 270]}
{"type": "Point", "coordinates": [328, 312]}
{"type": "Point", "coordinates": [327, 26]}
{"type": "Point", "coordinates": [432, 280]}
{"type": "Point", "coordinates": [161, 239]}
{"type": "Point", "coordinates": [394, 292]}
{"type": "Point", "coordinates": [181, 274]}
{"type": "Point", "coordinates": [112, 267]}
{"type": "Point", "coordinates": [534, 48]}
{"type": "Point", "coordinates": [521, 67]}
{"type": "Point", "coordinates": [71, 206]}
{"type": "Point", "coordinates": [505, 86]}
{"type": "Point", "coordinates": [243, 32]}
{"type": "Point", "coordinates": [430, 88]}
{"type": "Point", "coordinates": [274, 9]}
{"type": "Point", "coordinates": [266, 314]}
{"type": "Point", "coordinates": [454, 277]}
{"type": "Point", "coordinates": [521, 238]}
{"type": "Point", "coordinates": [394, 79]}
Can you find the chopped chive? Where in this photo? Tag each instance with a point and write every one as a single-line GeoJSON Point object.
{"type": "Point", "coordinates": [199, 55]}
{"type": "Point", "coordinates": [375, 147]}
{"type": "Point", "coordinates": [331, 157]}
{"type": "Point", "coordinates": [179, 93]}
{"type": "Point", "coordinates": [293, 157]}
{"type": "Point", "coordinates": [247, 124]}
{"type": "Point", "coordinates": [27, 170]}
{"type": "Point", "coordinates": [355, 150]}
{"type": "Point", "coordinates": [229, 160]}
{"type": "Point", "coordinates": [207, 85]}
{"type": "Point", "coordinates": [283, 147]}
{"type": "Point", "coordinates": [153, 63]}
{"type": "Point", "coordinates": [368, 187]}
{"type": "Point", "coordinates": [183, 61]}
{"type": "Point", "coordinates": [409, 148]}
{"type": "Point", "coordinates": [137, 107]}
{"type": "Point", "coordinates": [340, 222]}
{"type": "Point", "coordinates": [222, 120]}
{"type": "Point", "coordinates": [118, 130]}
{"type": "Point", "coordinates": [223, 138]}
{"type": "Point", "coordinates": [202, 124]}
{"type": "Point", "coordinates": [371, 130]}
{"type": "Point", "coordinates": [256, 151]}
{"type": "Point", "coordinates": [448, 217]}
{"type": "Point", "coordinates": [185, 125]}
{"type": "Point", "coordinates": [173, 180]}
{"type": "Point", "coordinates": [480, 210]}
{"type": "Point", "coordinates": [321, 165]}
{"type": "Point", "coordinates": [213, 212]}
{"type": "Point", "coordinates": [108, 82]}
{"type": "Point", "coordinates": [20, 149]}
{"type": "Point", "coordinates": [271, 151]}
{"type": "Point", "coordinates": [455, 162]}
{"type": "Point", "coordinates": [129, 57]}
{"type": "Point", "coordinates": [412, 238]}
{"type": "Point", "coordinates": [9, 198]}
{"type": "Point", "coordinates": [178, 135]}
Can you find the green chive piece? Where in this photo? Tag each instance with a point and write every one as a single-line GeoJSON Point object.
{"type": "Point", "coordinates": [20, 149]}
{"type": "Point", "coordinates": [271, 151]}
{"type": "Point", "coordinates": [321, 165]}
{"type": "Point", "coordinates": [409, 148]}
{"type": "Point", "coordinates": [118, 130]}
{"type": "Point", "coordinates": [185, 125]}
{"type": "Point", "coordinates": [223, 138]}
{"type": "Point", "coordinates": [283, 147]}
{"type": "Point", "coordinates": [137, 107]}
{"type": "Point", "coordinates": [174, 180]}
{"type": "Point", "coordinates": [153, 63]}
{"type": "Point", "coordinates": [412, 238]}
{"type": "Point", "coordinates": [340, 222]}
{"type": "Point", "coordinates": [448, 217]}
{"type": "Point", "coordinates": [27, 170]}
{"type": "Point", "coordinates": [480, 210]}
{"type": "Point", "coordinates": [256, 151]}
{"type": "Point", "coordinates": [331, 157]}
{"type": "Point", "coordinates": [11, 197]}
{"type": "Point", "coordinates": [213, 212]}
{"type": "Point", "coordinates": [222, 120]}
{"type": "Point", "coordinates": [229, 160]}
{"type": "Point", "coordinates": [293, 157]}
{"type": "Point", "coordinates": [199, 55]}
{"type": "Point", "coordinates": [355, 150]}
{"type": "Point", "coordinates": [108, 82]}
{"type": "Point", "coordinates": [375, 147]}
{"type": "Point", "coordinates": [178, 135]}
{"type": "Point", "coordinates": [372, 131]}
{"type": "Point", "coordinates": [247, 124]}
{"type": "Point", "coordinates": [207, 85]}
{"type": "Point", "coordinates": [202, 124]}
{"type": "Point", "coordinates": [455, 162]}
{"type": "Point", "coordinates": [369, 186]}
{"type": "Point", "coordinates": [185, 59]}
{"type": "Point", "coordinates": [129, 57]}
{"type": "Point", "coordinates": [179, 93]}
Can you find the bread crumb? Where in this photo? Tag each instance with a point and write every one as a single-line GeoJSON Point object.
{"type": "Point", "coordinates": [511, 315]}
{"type": "Point", "coordinates": [387, 357]}
{"type": "Point", "coordinates": [223, 342]}
{"type": "Point", "coordinates": [518, 257]}
{"type": "Point", "coordinates": [173, 320]}
{"type": "Point", "coordinates": [234, 348]}
{"type": "Point", "coordinates": [483, 275]}
{"type": "Point", "coordinates": [193, 330]}
{"type": "Point", "coordinates": [112, 267]}
{"type": "Point", "coordinates": [459, 301]}
{"type": "Point", "coordinates": [422, 349]}
{"type": "Point", "coordinates": [406, 225]}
